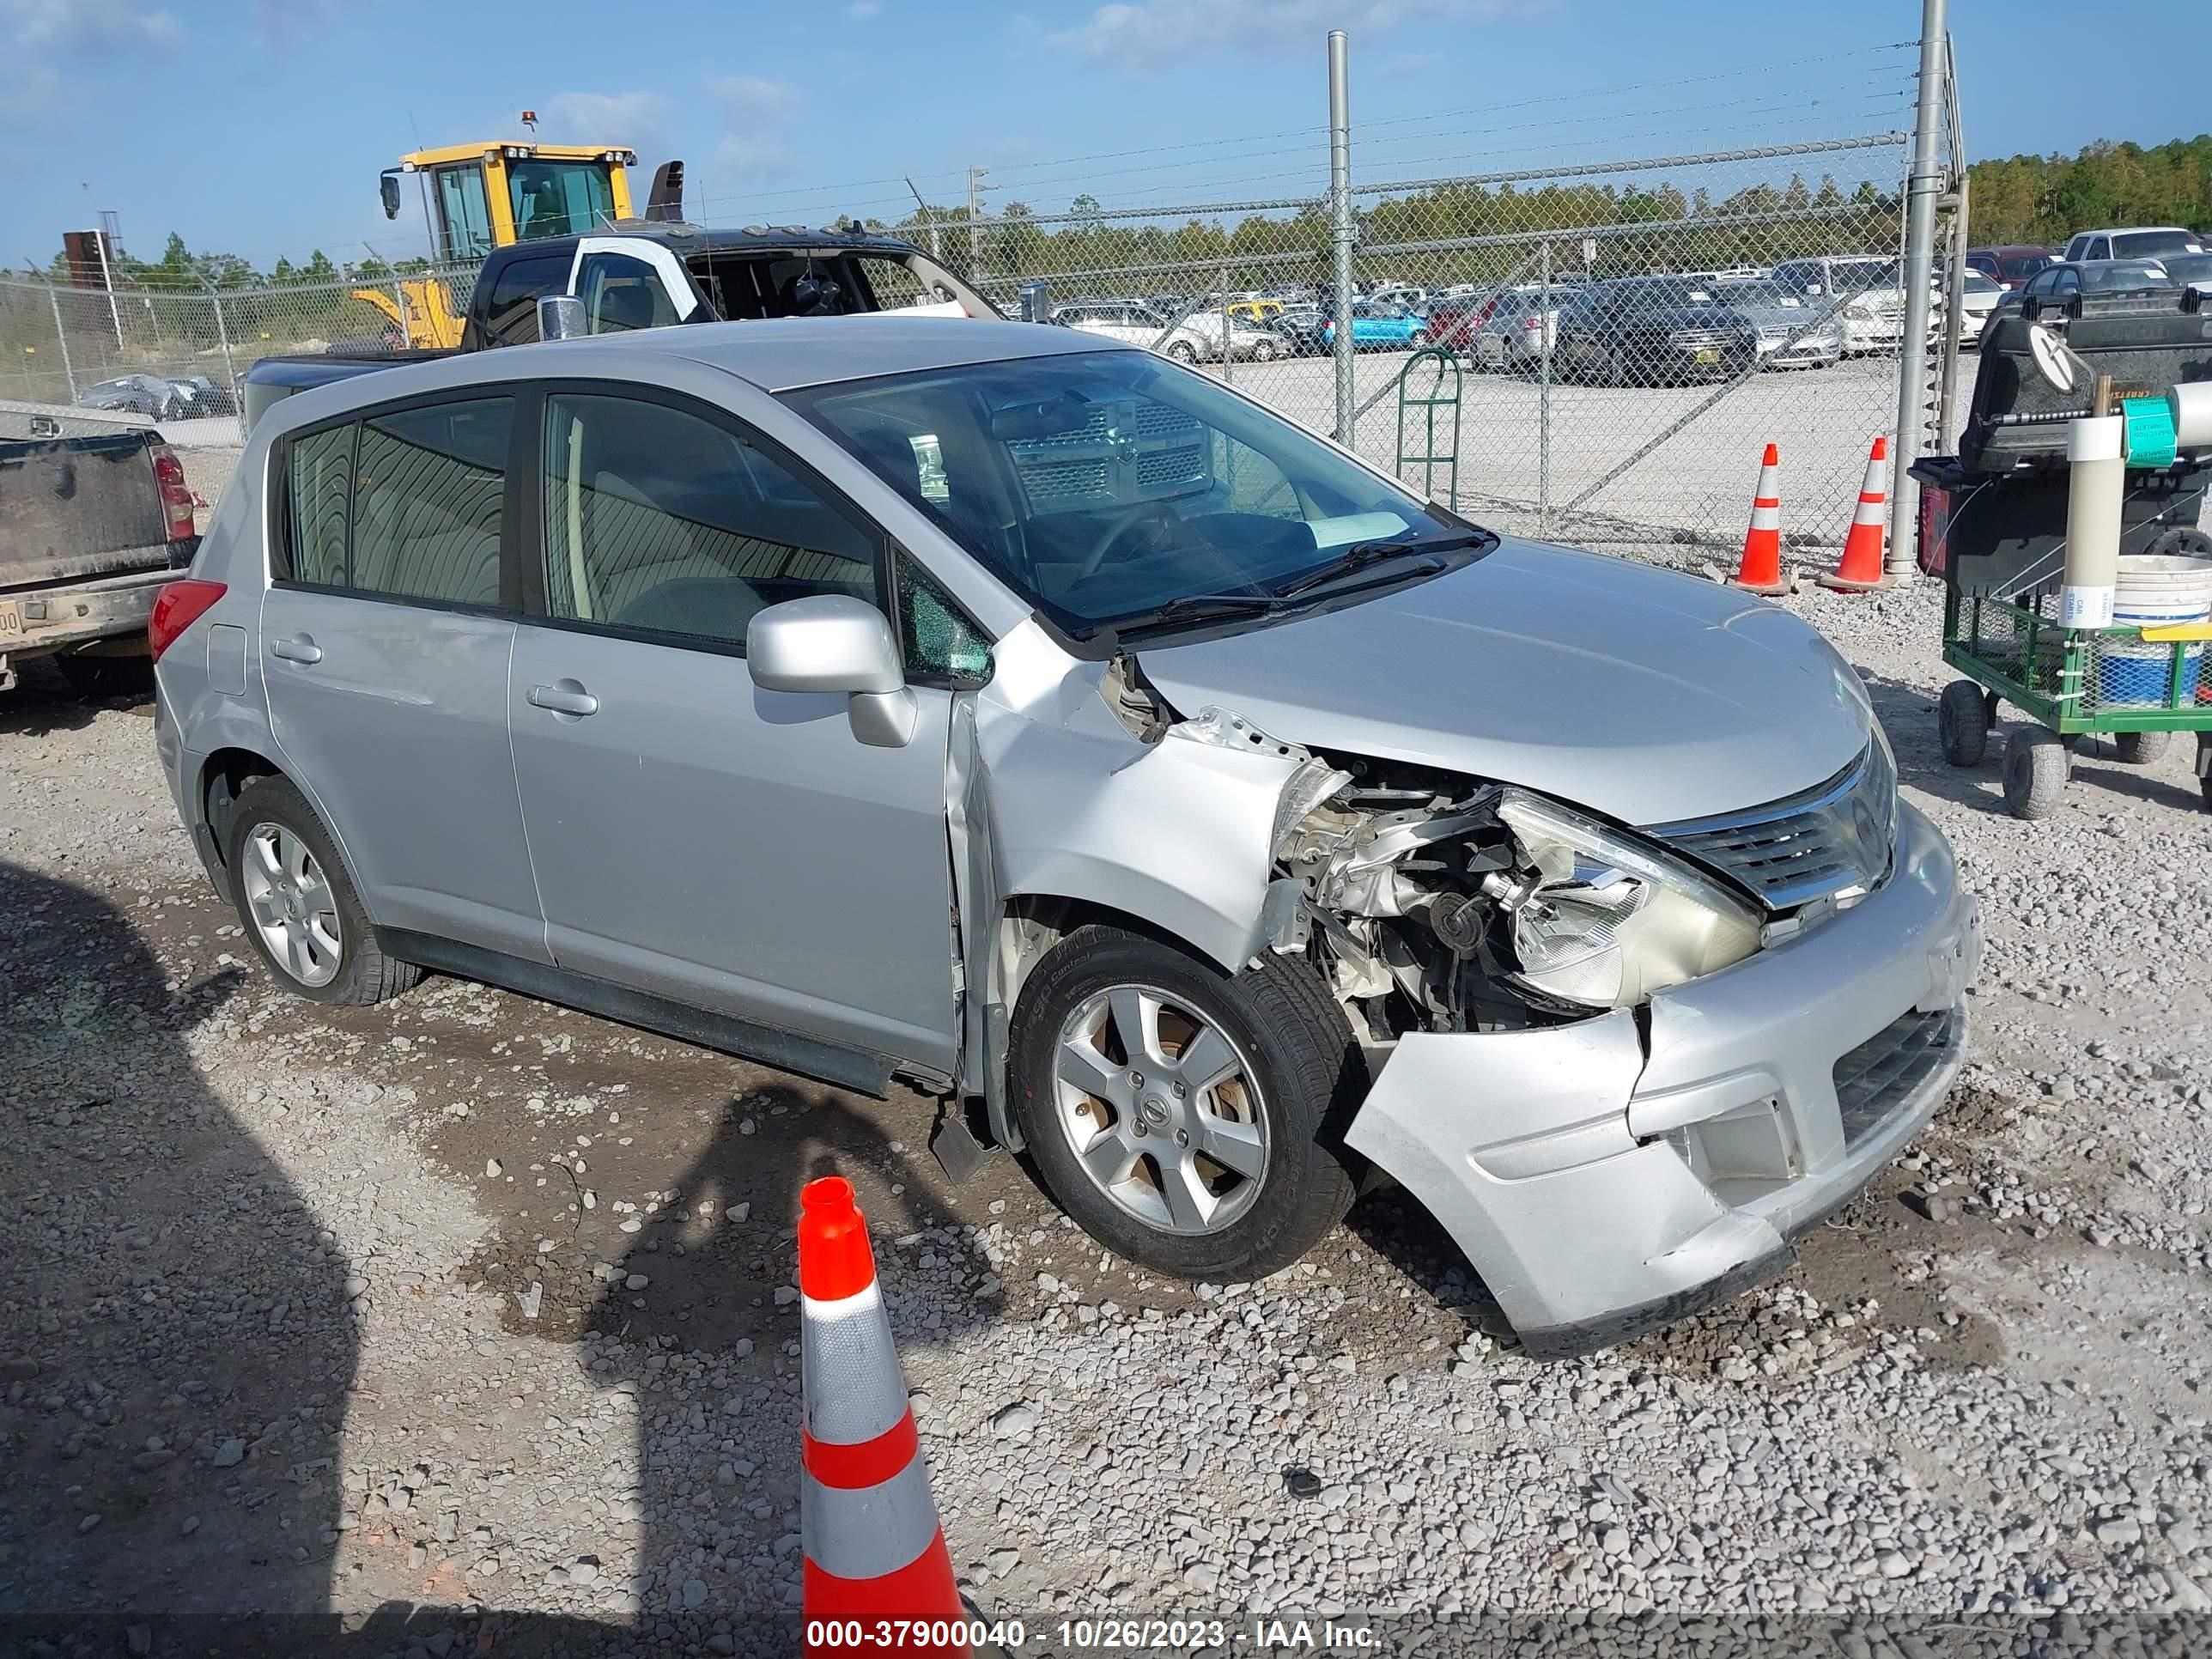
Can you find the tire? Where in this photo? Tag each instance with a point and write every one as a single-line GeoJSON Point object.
{"type": "Point", "coordinates": [276, 847]}
{"type": "Point", "coordinates": [96, 679]}
{"type": "Point", "coordinates": [2036, 765]}
{"type": "Point", "coordinates": [1182, 352]}
{"type": "Point", "coordinates": [2142, 748]}
{"type": "Point", "coordinates": [1299, 1077]}
{"type": "Point", "coordinates": [1417, 340]}
{"type": "Point", "coordinates": [1962, 719]}
{"type": "Point", "coordinates": [1263, 351]}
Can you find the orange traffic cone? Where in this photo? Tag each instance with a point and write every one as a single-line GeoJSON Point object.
{"type": "Point", "coordinates": [1761, 569]}
{"type": "Point", "coordinates": [1861, 569]}
{"type": "Point", "coordinates": [873, 1549]}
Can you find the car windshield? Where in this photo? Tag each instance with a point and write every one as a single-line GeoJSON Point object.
{"type": "Point", "coordinates": [2190, 268]}
{"type": "Point", "coordinates": [2020, 267]}
{"type": "Point", "coordinates": [1652, 296]}
{"type": "Point", "coordinates": [1853, 276]}
{"type": "Point", "coordinates": [1979, 282]}
{"type": "Point", "coordinates": [2107, 276]}
{"type": "Point", "coordinates": [1104, 486]}
{"type": "Point", "coordinates": [2149, 244]}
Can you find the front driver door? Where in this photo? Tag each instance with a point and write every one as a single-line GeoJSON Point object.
{"type": "Point", "coordinates": [694, 837]}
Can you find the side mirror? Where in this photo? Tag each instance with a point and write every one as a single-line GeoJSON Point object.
{"type": "Point", "coordinates": [388, 190]}
{"type": "Point", "coordinates": [832, 642]}
{"type": "Point", "coordinates": [561, 317]}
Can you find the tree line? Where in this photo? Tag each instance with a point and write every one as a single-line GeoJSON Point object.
{"type": "Point", "coordinates": [2041, 200]}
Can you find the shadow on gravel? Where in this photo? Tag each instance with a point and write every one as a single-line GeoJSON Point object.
{"type": "Point", "coordinates": [174, 1346]}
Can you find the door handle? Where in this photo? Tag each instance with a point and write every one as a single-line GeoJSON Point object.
{"type": "Point", "coordinates": [563, 697]}
{"type": "Point", "coordinates": [300, 648]}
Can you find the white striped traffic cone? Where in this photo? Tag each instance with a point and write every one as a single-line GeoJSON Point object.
{"type": "Point", "coordinates": [1861, 567]}
{"type": "Point", "coordinates": [1759, 570]}
{"type": "Point", "coordinates": [874, 1550]}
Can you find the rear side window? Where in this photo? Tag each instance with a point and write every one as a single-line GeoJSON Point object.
{"type": "Point", "coordinates": [321, 485]}
{"type": "Point", "coordinates": [511, 314]}
{"type": "Point", "coordinates": [428, 489]}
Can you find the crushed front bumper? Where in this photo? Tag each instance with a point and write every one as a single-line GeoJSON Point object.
{"type": "Point", "coordinates": [1607, 1177]}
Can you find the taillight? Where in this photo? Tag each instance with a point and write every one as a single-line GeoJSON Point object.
{"type": "Point", "coordinates": [176, 494]}
{"type": "Point", "coordinates": [177, 607]}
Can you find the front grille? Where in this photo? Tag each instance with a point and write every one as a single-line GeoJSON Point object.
{"type": "Point", "coordinates": [1807, 846]}
{"type": "Point", "coordinates": [1702, 339]}
{"type": "Point", "coordinates": [1876, 1076]}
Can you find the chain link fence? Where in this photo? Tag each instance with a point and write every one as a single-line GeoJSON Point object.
{"type": "Point", "coordinates": [1620, 340]}
{"type": "Point", "coordinates": [178, 355]}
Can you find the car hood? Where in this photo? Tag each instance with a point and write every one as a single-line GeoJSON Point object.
{"type": "Point", "coordinates": [1672, 317]}
{"type": "Point", "coordinates": [1648, 696]}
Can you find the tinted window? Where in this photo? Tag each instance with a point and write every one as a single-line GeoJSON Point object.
{"type": "Point", "coordinates": [2018, 269]}
{"type": "Point", "coordinates": [427, 495]}
{"type": "Point", "coordinates": [321, 485]}
{"type": "Point", "coordinates": [511, 315]}
{"type": "Point", "coordinates": [661, 519]}
{"type": "Point", "coordinates": [2150, 244]}
{"type": "Point", "coordinates": [620, 293]}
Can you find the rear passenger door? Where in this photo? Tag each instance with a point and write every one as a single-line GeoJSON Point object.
{"type": "Point", "coordinates": [384, 636]}
{"type": "Point", "coordinates": [696, 838]}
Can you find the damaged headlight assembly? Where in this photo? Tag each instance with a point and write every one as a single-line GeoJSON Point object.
{"type": "Point", "coordinates": [1600, 919]}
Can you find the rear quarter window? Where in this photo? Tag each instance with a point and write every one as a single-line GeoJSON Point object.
{"type": "Point", "coordinates": [319, 486]}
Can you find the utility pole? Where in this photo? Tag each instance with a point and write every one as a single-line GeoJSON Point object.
{"type": "Point", "coordinates": [1926, 183]}
{"type": "Point", "coordinates": [975, 223]}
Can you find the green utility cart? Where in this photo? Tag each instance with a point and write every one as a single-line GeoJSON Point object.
{"type": "Point", "coordinates": [2140, 684]}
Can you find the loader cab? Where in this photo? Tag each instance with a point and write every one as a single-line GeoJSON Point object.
{"type": "Point", "coordinates": [481, 196]}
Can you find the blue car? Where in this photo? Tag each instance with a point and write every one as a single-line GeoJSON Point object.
{"type": "Point", "coordinates": [1381, 328]}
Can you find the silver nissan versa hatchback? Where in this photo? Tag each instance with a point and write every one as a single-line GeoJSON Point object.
{"type": "Point", "coordinates": [1194, 809]}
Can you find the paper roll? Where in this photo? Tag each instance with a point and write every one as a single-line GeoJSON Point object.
{"type": "Point", "coordinates": [2191, 404]}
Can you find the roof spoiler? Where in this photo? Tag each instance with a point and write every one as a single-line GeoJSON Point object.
{"type": "Point", "coordinates": [665, 203]}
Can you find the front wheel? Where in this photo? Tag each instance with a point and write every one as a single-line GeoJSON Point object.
{"type": "Point", "coordinates": [1419, 339]}
{"type": "Point", "coordinates": [1263, 351]}
{"type": "Point", "coordinates": [1182, 352]}
{"type": "Point", "coordinates": [1188, 1120]}
{"type": "Point", "coordinates": [1962, 719]}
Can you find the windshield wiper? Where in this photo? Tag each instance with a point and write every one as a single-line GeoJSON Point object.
{"type": "Point", "coordinates": [1192, 607]}
{"type": "Point", "coordinates": [1360, 555]}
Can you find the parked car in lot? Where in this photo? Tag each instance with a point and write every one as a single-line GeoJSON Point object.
{"type": "Point", "coordinates": [1500, 330]}
{"type": "Point", "coordinates": [199, 396]}
{"type": "Point", "coordinates": [2131, 242]}
{"type": "Point", "coordinates": [1380, 327]}
{"type": "Point", "coordinates": [1866, 293]}
{"type": "Point", "coordinates": [2059, 285]}
{"type": "Point", "coordinates": [2189, 270]}
{"type": "Point", "coordinates": [2011, 265]}
{"type": "Point", "coordinates": [1032, 718]}
{"type": "Point", "coordinates": [1977, 302]}
{"type": "Point", "coordinates": [1197, 338]}
{"type": "Point", "coordinates": [135, 394]}
{"type": "Point", "coordinates": [1792, 334]}
{"type": "Point", "coordinates": [1646, 330]}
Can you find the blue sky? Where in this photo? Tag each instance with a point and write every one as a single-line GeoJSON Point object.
{"type": "Point", "coordinates": [259, 128]}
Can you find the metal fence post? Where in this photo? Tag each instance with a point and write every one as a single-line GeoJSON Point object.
{"type": "Point", "coordinates": [1544, 394]}
{"type": "Point", "coordinates": [406, 323]}
{"type": "Point", "coordinates": [1926, 182]}
{"type": "Point", "coordinates": [229, 363]}
{"type": "Point", "coordinates": [1340, 233]}
{"type": "Point", "coordinates": [61, 335]}
{"type": "Point", "coordinates": [1222, 289]}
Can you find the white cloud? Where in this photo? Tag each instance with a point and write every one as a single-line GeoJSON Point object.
{"type": "Point", "coordinates": [742, 158]}
{"type": "Point", "coordinates": [754, 95]}
{"type": "Point", "coordinates": [865, 9]}
{"type": "Point", "coordinates": [612, 117]}
{"type": "Point", "coordinates": [64, 25]}
{"type": "Point", "coordinates": [1155, 29]}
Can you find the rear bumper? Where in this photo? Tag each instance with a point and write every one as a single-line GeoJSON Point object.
{"type": "Point", "coordinates": [36, 622]}
{"type": "Point", "coordinates": [1604, 1181]}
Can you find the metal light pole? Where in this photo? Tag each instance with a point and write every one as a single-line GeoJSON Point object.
{"type": "Point", "coordinates": [1924, 184]}
{"type": "Point", "coordinates": [1341, 230]}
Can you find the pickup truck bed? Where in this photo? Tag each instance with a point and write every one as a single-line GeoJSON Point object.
{"type": "Point", "coordinates": [94, 517]}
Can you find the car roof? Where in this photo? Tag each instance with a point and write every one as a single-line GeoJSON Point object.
{"type": "Point", "coordinates": [688, 239]}
{"type": "Point", "coordinates": [775, 355]}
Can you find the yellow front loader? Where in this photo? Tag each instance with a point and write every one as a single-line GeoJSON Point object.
{"type": "Point", "coordinates": [480, 197]}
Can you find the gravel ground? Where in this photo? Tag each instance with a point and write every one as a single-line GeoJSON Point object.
{"type": "Point", "coordinates": [467, 1318]}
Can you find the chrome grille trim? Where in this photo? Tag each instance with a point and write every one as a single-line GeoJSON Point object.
{"type": "Point", "coordinates": [1805, 847]}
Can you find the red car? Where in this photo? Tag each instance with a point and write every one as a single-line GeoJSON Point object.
{"type": "Point", "coordinates": [2009, 266]}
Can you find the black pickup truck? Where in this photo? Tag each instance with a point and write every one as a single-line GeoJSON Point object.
{"type": "Point", "coordinates": [654, 275]}
{"type": "Point", "coordinates": [95, 516]}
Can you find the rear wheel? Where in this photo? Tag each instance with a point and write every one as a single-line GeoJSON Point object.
{"type": "Point", "coordinates": [1263, 351]}
{"type": "Point", "coordinates": [1962, 719]}
{"type": "Point", "coordinates": [2142, 748]}
{"type": "Point", "coordinates": [298, 904]}
{"type": "Point", "coordinates": [1187, 1120]}
{"type": "Point", "coordinates": [1182, 352]}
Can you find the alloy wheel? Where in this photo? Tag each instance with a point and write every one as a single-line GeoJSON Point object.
{"type": "Point", "coordinates": [293, 905]}
{"type": "Point", "coordinates": [1161, 1109]}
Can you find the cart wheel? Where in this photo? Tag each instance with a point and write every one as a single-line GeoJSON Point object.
{"type": "Point", "coordinates": [2142, 748]}
{"type": "Point", "coordinates": [2035, 769]}
{"type": "Point", "coordinates": [1963, 720]}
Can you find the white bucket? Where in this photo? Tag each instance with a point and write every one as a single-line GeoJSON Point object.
{"type": "Point", "coordinates": [2161, 588]}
